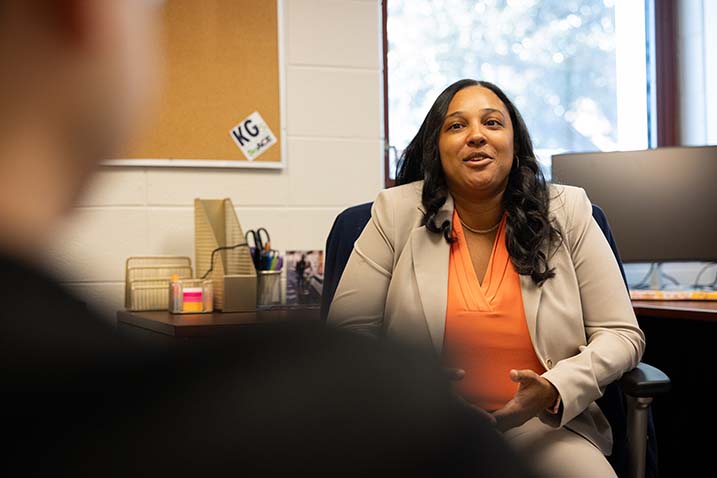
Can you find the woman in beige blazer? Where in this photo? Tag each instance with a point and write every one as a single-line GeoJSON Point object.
{"type": "Point", "coordinates": [473, 155]}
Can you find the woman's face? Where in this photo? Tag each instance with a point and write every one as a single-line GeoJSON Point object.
{"type": "Point", "coordinates": [476, 143]}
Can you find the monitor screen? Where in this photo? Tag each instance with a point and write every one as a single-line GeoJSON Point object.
{"type": "Point", "coordinates": [661, 203]}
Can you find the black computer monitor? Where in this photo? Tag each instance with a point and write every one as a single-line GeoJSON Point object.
{"type": "Point", "coordinates": [661, 203]}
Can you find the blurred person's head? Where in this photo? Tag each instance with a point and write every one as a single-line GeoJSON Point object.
{"type": "Point", "coordinates": [76, 77]}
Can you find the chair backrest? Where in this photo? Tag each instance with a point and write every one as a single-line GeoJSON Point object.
{"type": "Point", "coordinates": [348, 227]}
{"type": "Point", "coordinates": [612, 403]}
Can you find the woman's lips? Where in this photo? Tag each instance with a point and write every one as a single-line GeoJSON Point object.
{"type": "Point", "coordinates": [477, 159]}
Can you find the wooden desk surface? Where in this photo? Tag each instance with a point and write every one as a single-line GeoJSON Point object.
{"type": "Point", "coordinates": [217, 323]}
{"type": "Point", "coordinates": [676, 309]}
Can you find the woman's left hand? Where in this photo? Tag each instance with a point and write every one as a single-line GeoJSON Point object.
{"type": "Point", "coordinates": [534, 395]}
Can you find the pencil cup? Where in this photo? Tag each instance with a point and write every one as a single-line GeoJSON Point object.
{"type": "Point", "coordinates": [268, 287]}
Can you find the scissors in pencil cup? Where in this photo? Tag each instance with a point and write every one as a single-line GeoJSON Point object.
{"type": "Point", "coordinates": [260, 242]}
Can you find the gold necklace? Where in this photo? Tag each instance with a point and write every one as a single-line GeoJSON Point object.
{"type": "Point", "coordinates": [481, 231]}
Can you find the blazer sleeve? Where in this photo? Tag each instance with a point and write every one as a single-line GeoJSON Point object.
{"type": "Point", "coordinates": [360, 298]}
{"type": "Point", "coordinates": [614, 341]}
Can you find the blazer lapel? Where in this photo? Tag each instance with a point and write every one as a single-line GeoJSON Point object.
{"type": "Point", "coordinates": [531, 299]}
{"type": "Point", "coordinates": [431, 254]}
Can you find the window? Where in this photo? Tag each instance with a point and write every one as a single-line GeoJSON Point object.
{"type": "Point", "coordinates": [697, 66]}
{"type": "Point", "coordinates": [576, 69]}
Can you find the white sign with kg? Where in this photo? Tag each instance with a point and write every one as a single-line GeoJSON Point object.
{"type": "Point", "coordinates": [253, 136]}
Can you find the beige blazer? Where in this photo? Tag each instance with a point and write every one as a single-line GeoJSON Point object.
{"type": "Point", "coordinates": [581, 322]}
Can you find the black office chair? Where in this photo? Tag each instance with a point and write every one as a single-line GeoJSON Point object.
{"type": "Point", "coordinates": [625, 403]}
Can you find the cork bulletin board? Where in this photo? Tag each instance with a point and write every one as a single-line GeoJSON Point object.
{"type": "Point", "coordinates": [221, 100]}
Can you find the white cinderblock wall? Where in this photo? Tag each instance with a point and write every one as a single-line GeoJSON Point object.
{"type": "Point", "coordinates": [334, 160]}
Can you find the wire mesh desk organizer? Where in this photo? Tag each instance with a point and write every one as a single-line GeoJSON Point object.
{"type": "Point", "coordinates": [147, 280]}
{"type": "Point", "coordinates": [223, 256]}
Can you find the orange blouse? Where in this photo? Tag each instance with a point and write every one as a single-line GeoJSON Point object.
{"type": "Point", "coordinates": [486, 330]}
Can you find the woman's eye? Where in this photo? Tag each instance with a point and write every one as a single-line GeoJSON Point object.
{"type": "Point", "coordinates": [454, 126]}
{"type": "Point", "coordinates": [492, 122]}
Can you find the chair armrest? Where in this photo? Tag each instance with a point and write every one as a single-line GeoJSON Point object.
{"type": "Point", "coordinates": [645, 381]}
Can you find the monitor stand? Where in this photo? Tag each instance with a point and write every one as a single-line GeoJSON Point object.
{"type": "Point", "coordinates": [655, 279]}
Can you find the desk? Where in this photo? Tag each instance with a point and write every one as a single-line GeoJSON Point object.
{"type": "Point", "coordinates": [217, 323]}
{"type": "Point", "coordinates": [162, 323]}
{"type": "Point", "coordinates": [681, 341]}
{"type": "Point", "coordinates": [676, 309]}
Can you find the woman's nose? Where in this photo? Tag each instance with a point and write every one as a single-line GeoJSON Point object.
{"type": "Point", "coordinates": [476, 137]}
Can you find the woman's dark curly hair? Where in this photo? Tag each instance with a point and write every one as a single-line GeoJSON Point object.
{"type": "Point", "coordinates": [529, 232]}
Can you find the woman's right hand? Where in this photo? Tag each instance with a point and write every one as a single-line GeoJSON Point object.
{"type": "Point", "coordinates": [534, 395]}
{"type": "Point", "coordinates": [456, 375]}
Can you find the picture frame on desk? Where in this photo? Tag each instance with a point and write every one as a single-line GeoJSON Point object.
{"type": "Point", "coordinates": [304, 277]}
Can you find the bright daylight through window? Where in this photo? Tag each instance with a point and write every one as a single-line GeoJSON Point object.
{"type": "Point", "coordinates": [575, 69]}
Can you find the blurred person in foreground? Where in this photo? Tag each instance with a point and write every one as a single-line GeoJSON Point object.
{"type": "Point", "coordinates": [508, 280]}
{"type": "Point", "coordinates": [79, 401]}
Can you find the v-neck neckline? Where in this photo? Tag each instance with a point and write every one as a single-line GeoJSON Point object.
{"type": "Point", "coordinates": [481, 294]}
